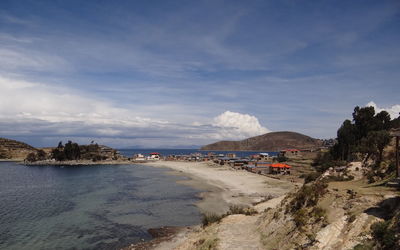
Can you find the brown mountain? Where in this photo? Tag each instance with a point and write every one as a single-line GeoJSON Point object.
{"type": "Point", "coordinates": [273, 141]}
{"type": "Point", "coordinates": [15, 150]}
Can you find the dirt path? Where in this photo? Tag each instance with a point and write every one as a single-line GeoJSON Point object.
{"type": "Point", "coordinates": [239, 232]}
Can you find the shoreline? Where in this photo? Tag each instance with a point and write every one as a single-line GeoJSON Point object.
{"type": "Point", "coordinates": [220, 187]}
{"type": "Point", "coordinates": [77, 163]}
{"type": "Point", "coordinates": [224, 186]}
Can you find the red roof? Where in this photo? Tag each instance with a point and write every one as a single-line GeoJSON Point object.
{"type": "Point", "coordinates": [154, 153]}
{"type": "Point", "coordinates": [280, 165]}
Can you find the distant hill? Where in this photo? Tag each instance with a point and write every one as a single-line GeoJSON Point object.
{"type": "Point", "coordinates": [11, 149]}
{"type": "Point", "coordinates": [273, 141]}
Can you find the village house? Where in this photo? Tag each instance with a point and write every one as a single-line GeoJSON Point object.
{"type": "Point", "coordinates": [154, 156]}
{"type": "Point", "coordinates": [138, 157]}
{"type": "Point", "coordinates": [279, 168]}
{"type": "Point", "coordinates": [289, 153]}
{"type": "Point", "coordinates": [239, 164]}
{"type": "Point", "coordinates": [231, 155]}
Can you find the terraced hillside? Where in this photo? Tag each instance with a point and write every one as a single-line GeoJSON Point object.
{"type": "Point", "coordinates": [14, 150]}
{"type": "Point", "coordinates": [273, 141]}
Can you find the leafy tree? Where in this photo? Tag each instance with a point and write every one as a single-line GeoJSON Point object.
{"type": "Point", "coordinates": [324, 161]}
{"type": "Point", "coordinates": [367, 133]}
{"type": "Point", "coordinates": [395, 123]}
{"type": "Point", "coordinates": [72, 151]}
{"type": "Point", "coordinates": [31, 157]}
{"type": "Point", "coordinates": [381, 139]}
{"type": "Point", "coordinates": [374, 144]}
{"type": "Point", "coordinates": [364, 121]}
{"type": "Point", "coordinates": [58, 154]}
{"type": "Point", "coordinates": [282, 158]}
{"type": "Point", "coordinates": [346, 137]}
{"type": "Point", "coordinates": [41, 155]}
{"type": "Point", "coordinates": [382, 120]}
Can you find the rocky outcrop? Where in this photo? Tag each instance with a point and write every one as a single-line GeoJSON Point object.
{"type": "Point", "coordinates": [14, 150]}
{"type": "Point", "coordinates": [273, 141]}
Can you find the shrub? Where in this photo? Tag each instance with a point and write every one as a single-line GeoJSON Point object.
{"type": "Point", "coordinates": [235, 209]}
{"type": "Point", "coordinates": [282, 158]}
{"type": "Point", "coordinates": [308, 195]}
{"type": "Point", "coordinates": [208, 244]}
{"type": "Point", "coordinates": [58, 154]}
{"type": "Point", "coordinates": [311, 177]}
{"type": "Point", "coordinates": [384, 235]}
{"type": "Point", "coordinates": [211, 218]}
{"type": "Point", "coordinates": [352, 193]}
{"type": "Point", "coordinates": [41, 155]}
{"type": "Point", "coordinates": [365, 246]}
{"type": "Point", "coordinates": [323, 161]}
{"type": "Point", "coordinates": [340, 178]}
{"type": "Point", "coordinates": [300, 217]}
{"type": "Point", "coordinates": [31, 157]}
{"type": "Point", "coordinates": [319, 213]}
{"type": "Point", "coordinates": [351, 217]}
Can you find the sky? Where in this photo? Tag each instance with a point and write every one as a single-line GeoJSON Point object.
{"type": "Point", "coordinates": [170, 74]}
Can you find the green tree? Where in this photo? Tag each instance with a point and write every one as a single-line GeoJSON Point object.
{"type": "Point", "coordinates": [374, 144]}
{"type": "Point", "coordinates": [71, 151]}
{"type": "Point", "coordinates": [395, 123]}
{"type": "Point", "coordinates": [41, 155]}
{"type": "Point", "coordinates": [364, 121]}
{"type": "Point", "coordinates": [31, 157]}
{"type": "Point", "coordinates": [58, 154]}
{"type": "Point", "coordinates": [382, 120]}
{"type": "Point", "coordinates": [346, 137]}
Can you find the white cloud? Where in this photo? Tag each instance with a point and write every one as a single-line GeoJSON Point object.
{"type": "Point", "coordinates": [234, 125]}
{"type": "Point", "coordinates": [29, 100]}
{"type": "Point", "coordinates": [32, 109]}
{"type": "Point", "coordinates": [393, 110]}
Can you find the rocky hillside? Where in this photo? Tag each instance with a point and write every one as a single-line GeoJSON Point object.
{"type": "Point", "coordinates": [274, 141]}
{"type": "Point", "coordinates": [11, 149]}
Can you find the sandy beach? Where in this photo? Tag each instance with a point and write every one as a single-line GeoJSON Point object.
{"type": "Point", "coordinates": [224, 186]}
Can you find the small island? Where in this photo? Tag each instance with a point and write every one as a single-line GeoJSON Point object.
{"type": "Point", "coordinates": [74, 154]}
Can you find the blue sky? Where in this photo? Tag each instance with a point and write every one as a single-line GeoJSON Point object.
{"type": "Point", "coordinates": [182, 73]}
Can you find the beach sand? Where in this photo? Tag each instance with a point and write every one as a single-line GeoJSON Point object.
{"type": "Point", "coordinates": [225, 186]}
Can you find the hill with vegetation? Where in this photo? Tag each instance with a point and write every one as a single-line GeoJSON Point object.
{"type": "Point", "coordinates": [72, 151]}
{"type": "Point", "coordinates": [350, 200]}
{"type": "Point", "coordinates": [14, 150]}
{"type": "Point", "coordinates": [273, 141]}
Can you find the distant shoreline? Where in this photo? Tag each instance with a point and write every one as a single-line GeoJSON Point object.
{"type": "Point", "coordinates": [12, 160]}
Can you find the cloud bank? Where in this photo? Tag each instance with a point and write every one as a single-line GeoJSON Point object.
{"type": "Point", "coordinates": [393, 111]}
{"type": "Point", "coordinates": [31, 109]}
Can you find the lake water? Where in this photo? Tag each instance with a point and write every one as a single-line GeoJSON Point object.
{"type": "Point", "coordinates": [89, 207]}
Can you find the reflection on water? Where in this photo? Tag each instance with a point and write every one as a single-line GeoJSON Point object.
{"type": "Point", "coordinates": [91, 207]}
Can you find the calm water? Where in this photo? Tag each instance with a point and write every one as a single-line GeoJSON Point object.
{"type": "Point", "coordinates": [164, 152]}
{"type": "Point", "coordinates": [92, 207]}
